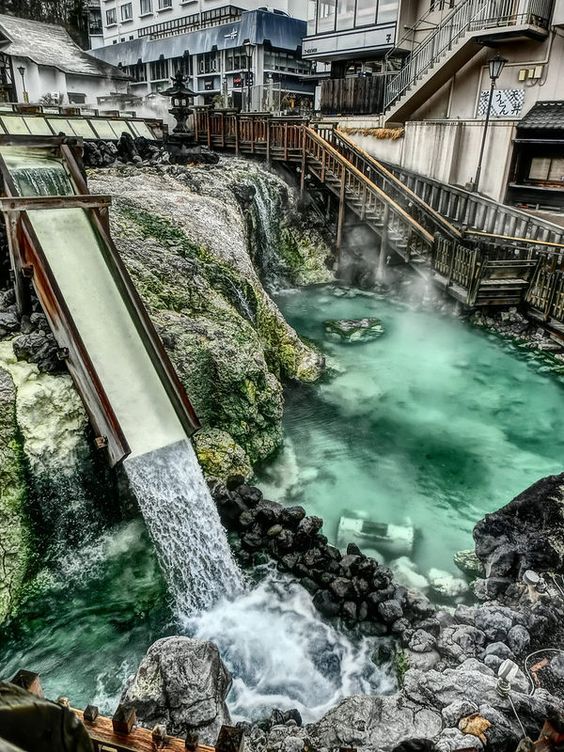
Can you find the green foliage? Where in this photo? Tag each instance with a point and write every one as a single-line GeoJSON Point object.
{"type": "Point", "coordinates": [401, 665]}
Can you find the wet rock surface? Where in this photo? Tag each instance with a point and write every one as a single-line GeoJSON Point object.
{"type": "Point", "coordinates": [181, 683]}
{"type": "Point", "coordinates": [359, 330]}
{"type": "Point", "coordinates": [446, 659]}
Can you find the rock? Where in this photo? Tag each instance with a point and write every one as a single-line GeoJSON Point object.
{"type": "Point", "coordinates": [220, 456]}
{"type": "Point", "coordinates": [40, 348]}
{"type": "Point", "coordinates": [326, 603]}
{"type": "Point", "coordinates": [469, 563]}
{"type": "Point", "coordinates": [494, 621]}
{"type": "Point", "coordinates": [461, 641]}
{"type": "Point", "coordinates": [390, 611]}
{"type": "Point", "coordinates": [500, 649]}
{"type": "Point", "coordinates": [418, 604]}
{"type": "Point", "coordinates": [457, 710]}
{"type": "Point", "coordinates": [446, 585]}
{"type": "Point", "coordinates": [518, 639]}
{"type": "Point", "coordinates": [292, 516]}
{"type": "Point", "coordinates": [422, 642]}
{"type": "Point", "coordinates": [373, 722]}
{"type": "Point", "coordinates": [14, 533]}
{"type": "Point", "coordinates": [529, 532]}
{"type": "Point", "coordinates": [9, 323]}
{"type": "Point", "coordinates": [182, 683]}
{"type": "Point", "coordinates": [341, 588]}
{"type": "Point", "coordinates": [354, 330]}
{"type": "Point", "coordinates": [452, 740]}
{"type": "Point", "coordinates": [405, 572]}
{"type": "Point", "coordinates": [422, 661]}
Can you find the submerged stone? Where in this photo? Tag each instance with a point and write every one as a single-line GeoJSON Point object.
{"type": "Point", "coordinates": [354, 330]}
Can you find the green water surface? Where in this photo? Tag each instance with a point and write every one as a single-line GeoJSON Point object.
{"type": "Point", "coordinates": [435, 423]}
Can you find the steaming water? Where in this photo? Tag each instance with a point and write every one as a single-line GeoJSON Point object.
{"type": "Point", "coordinates": [434, 423]}
{"type": "Point", "coordinates": [184, 525]}
{"type": "Point", "coordinates": [99, 611]}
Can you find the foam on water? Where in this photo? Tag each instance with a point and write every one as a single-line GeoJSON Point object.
{"type": "Point", "coordinates": [184, 525]}
{"type": "Point", "coordinates": [282, 655]}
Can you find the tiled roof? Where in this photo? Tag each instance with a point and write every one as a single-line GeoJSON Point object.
{"type": "Point", "coordinates": [50, 45]}
{"type": "Point", "coordinates": [545, 116]}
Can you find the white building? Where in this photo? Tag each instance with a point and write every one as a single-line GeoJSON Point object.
{"type": "Point", "coordinates": [41, 63]}
{"type": "Point", "coordinates": [124, 21]}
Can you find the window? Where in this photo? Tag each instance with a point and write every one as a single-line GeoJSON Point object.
{"type": "Point", "coordinates": [126, 12]}
{"type": "Point", "coordinates": [345, 14]}
{"type": "Point", "coordinates": [285, 62]}
{"type": "Point", "coordinates": [137, 72]}
{"type": "Point", "coordinates": [146, 7]}
{"type": "Point", "coordinates": [165, 4]}
{"type": "Point", "coordinates": [111, 17]}
{"type": "Point", "coordinates": [365, 12]}
{"type": "Point", "coordinates": [326, 15]}
{"type": "Point", "coordinates": [182, 64]}
{"type": "Point", "coordinates": [76, 98]}
{"type": "Point", "coordinates": [208, 63]}
{"type": "Point", "coordinates": [388, 11]}
{"type": "Point", "coordinates": [159, 70]}
{"type": "Point", "coordinates": [547, 170]}
{"type": "Point", "coordinates": [236, 59]}
{"type": "Point", "coordinates": [441, 5]}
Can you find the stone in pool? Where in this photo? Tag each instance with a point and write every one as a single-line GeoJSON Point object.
{"type": "Point", "coordinates": [354, 330]}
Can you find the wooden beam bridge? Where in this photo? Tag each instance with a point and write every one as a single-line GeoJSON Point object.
{"type": "Point", "coordinates": [487, 262]}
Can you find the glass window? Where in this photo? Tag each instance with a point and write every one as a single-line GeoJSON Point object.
{"type": "Point", "coordinates": [326, 15]}
{"type": "Point", "coordinates": [146, 6]}
{"type": "Point", "coordinates": [38, 126]}
{"type": "Point", "coordinates": [159, 70]}
{"type": "Point", "coordinates": [182, 64]}
{"type": "Point", "coordinates": [540, 167]}
{"type": "Point", "coordinates": [366, 12]}
{"type": "Point", "coordinates": [345, 14]}
{"type": "Point", "coordinates": [111, 17]}
{"type": "Point", "coordinates": [311, 16]}
{"type": "Point", "coordinates": [388, 11]}
{"type": "Point", "coordinates": [556, 173]}
{"type": "Point", "coordinates": [126, 12]}
{"type": "Point", "coordinates": [163, 4]}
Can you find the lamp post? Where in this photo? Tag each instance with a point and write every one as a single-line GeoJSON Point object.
{"type": "Point", "coordinates": [21, 71]}
{"type": "Point", "coordinates": [249, 47]}
{"type": "Point", "coordinates": [181, 97]}
{"type": "Point", "coordinates": [495, 65]}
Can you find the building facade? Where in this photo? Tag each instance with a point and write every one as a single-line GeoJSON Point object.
{"type": "Point", "coordinates": [40, 63]}
{"type": "Point", "coordinates": [438, 91]}
{"type": "Point", "coordinates": [209, 48]}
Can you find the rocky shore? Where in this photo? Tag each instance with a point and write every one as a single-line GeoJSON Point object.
{"type": "Point", "coordinates": [447, 659]}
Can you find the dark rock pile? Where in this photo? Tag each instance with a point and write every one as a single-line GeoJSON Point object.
{"type": "Point", "coordinates": [353, 587]}
{"type": "Point", "coordinates": [142, 152]}
{"type": "Point", "coordinates": [31, 334]}
{"type": "Point", "coordinates": [447, 660]}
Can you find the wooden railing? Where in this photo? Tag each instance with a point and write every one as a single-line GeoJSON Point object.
{"type": "Point", "coordinates": [495, 262]}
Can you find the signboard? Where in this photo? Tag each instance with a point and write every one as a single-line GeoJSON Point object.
{"type": "Point", "coordinates": [344, 42]}
{"type": "Point", "coordinates": [505, 102]}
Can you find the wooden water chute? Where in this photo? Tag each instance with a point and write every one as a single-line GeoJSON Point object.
{"type": "Point", "coordinates": [28, 260]}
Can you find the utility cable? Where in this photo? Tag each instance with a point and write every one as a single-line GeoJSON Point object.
{"type": "Point", "coordinates": [537, 652]}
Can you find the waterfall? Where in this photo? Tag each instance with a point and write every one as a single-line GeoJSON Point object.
{"type": "Point", "coordinates": [36, 173]}
{"type": "Point", "coordinates": [267, 208]}
{"type": "Point", "coordinates": [184, 525]}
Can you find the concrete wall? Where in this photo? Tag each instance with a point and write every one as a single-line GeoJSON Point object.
{"type": "Point", "coordinates": [449, 151]}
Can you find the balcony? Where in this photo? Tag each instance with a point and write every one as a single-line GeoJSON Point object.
{"type": "Point", "coordinates": [193, 22]}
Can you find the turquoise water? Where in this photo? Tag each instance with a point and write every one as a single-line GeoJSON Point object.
{"type": "Point", "coordinates": [434, 424]}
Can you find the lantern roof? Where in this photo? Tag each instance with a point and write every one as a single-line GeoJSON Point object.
{"type": "Point", "coordinates": [178, 88]}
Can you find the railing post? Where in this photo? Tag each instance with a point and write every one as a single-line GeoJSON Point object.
{"type": "Point", "coordinates": [286, 141]}
{"type": "Point", "coordinates": [268, 141]}
{"type": "Point", "coordinates": [208, 123]}
{"type": "Point", "coordinates": [384, 244]}
{"type": "Point", "coordinates": [223, 130]}
{"type": "Point", "coordinates": [13, 227]}
{"type": "Point", "coordinates": [237, 121]}
{"type": "Point", "coordinates": [197, 127]}
{"type": "Point", "coordinates": [341, 215]}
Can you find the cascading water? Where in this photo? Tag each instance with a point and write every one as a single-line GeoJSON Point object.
{"type": "Point", "coordinates": [267, 210]}
{"type": "Point", "coordinates": [184, 525]}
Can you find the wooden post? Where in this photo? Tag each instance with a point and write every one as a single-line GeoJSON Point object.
{"type": "Point", "coordinates": [223, 130]}
{"type": "Point", "coordinates": [12, 227]}
{"type": "Point", "coordinates": [286, 141]}
{"type": "Point", "coordinates": [208, 123]}
{"type": "Point", "coordinates": [384, 245]}
{"type": "Point", "coordinates": [304, 161]}
{"type": "Point", "coordinates": [341, 215]}
{"type": "Point", "coordinates": [323, 159]}
{"type": "Point", "coordinates": [237, 121]}
{"type": "Point", "coordinates": [551, 292]}
{"type": "Point", "coordinates": [197, 127]}
{"type": "Point", "coordinates": [268, 141]}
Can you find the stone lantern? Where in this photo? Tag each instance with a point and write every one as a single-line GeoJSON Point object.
{"type": "Point", "coordinates": [181, 98]}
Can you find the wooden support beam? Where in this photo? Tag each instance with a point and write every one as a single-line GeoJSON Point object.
{"type": "Point", "coordinates": [13, 231]}
{"type": "Point", "coordinates": [384, 245]}
{"type": "Point", "coordinates": [35, 203]}
{"type": "Point", "coordinates": [268, 136]}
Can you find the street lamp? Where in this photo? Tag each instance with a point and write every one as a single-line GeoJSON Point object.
{"type": "Point", "coordinates": [496, 66]}
{"type": "Point", "coordinates": [21, 71]}
{"type": "Point", "coordinates": [248, 47]}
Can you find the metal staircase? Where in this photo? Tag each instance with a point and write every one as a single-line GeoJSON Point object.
{"type": "Point", "coordinates": [454, 42]}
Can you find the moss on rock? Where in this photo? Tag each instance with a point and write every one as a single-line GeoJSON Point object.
{"type": "Point", "coordinates": [188, 255]}
{"type": "Point", "coordinates": [219, 456]}
{"type": "Point", "coordinates": [14, 533]}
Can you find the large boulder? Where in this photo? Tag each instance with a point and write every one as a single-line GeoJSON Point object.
{"type": "Point", "coordinates": [182, 683]}
{"type": "Point", "coordinates": [14, 537]}
{"type": "Point", "coordinates": [527, 533]}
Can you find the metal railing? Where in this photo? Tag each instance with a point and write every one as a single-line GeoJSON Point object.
{"type": "Point", "coordinates": [193, 22]}
{"type": "Point", "coordinates": [470, 16]}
